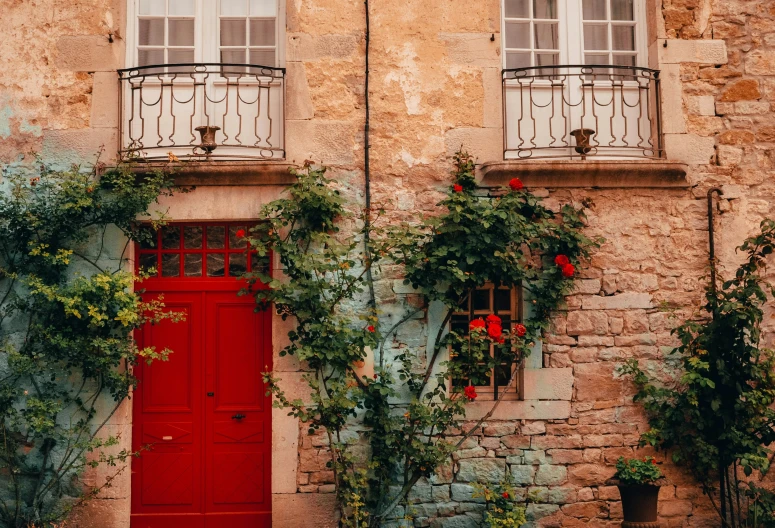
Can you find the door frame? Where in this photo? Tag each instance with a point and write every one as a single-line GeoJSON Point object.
{"type": "Point", "coordinates": [157, 285]}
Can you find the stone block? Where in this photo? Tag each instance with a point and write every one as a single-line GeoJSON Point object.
{"type": "Point", "coordinates": [690, 148]}
{"type": "Point", "coordinates": [548, 475]}
{"type": "Point", "coordinates": [595, 381]}
{"type": "Point", "coordinates": [587, 323]}
{"type": "Point", "coordinates": [485, 144]}
{"type": "Point", "coordinates": [472, 49]}
{"type": "Point", "coordinates": [760, 62]}
{"type": "Point", "coordinates": [743, 90]}
{"type": "Point", "coordinates": [63, 148]}
{"type": "Point", "coordinates": [522, 474]}
{"type": "Point", "coordinates": [693, 51]}
{"type": "Point", "coordinates": [102, 513]}
{"type": "Point", "coordinates": [533, 428]}
{"type": "Point", "coordinates": [623, 301]}
{"type": "Point", "coordinates": [464, 493]}
{"type": "Point", "coordinates": [304, 510]}
{"type": "Point", "coordinates": [547, 384]}
{"type": "Point", "coordinates": [285, 455]}
{"type": "Point", "coordinates": [589, 474]}
{"type": "Point", "coordinates": [493, 98]}
{"type": "Point", "coordinates": [482, 470]}
{"type": "Point", "coordinates": [565, 456]}
{"type": "Point", "coordinates": [92, 53]}
{"type": "Point", "coordinates": [104, 100]}
{"type": "Point", "coordinates": [326, 142]}
{"type": "Point", "coordinates": [298, 103]}
{"type": "Point", "coordinates": [520, 410]}
{"type": "Point", "coordinates": [673, 115]}
{"type": "Point", "coordinates": [702, 105]}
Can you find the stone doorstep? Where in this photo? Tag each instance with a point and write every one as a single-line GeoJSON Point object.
{"type": "Point", "coordinates": [223, 173]}
{"type": "Point", "coordinates": [608, 174]}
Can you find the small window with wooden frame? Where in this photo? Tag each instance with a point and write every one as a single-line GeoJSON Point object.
{"type": "Point", "coordinates": [505, 303]}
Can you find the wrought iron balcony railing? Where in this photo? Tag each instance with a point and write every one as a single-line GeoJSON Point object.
{"type": "Point", "coordinates": [202, 111]}
{"type": "Point", "coordinates": [574, 112]}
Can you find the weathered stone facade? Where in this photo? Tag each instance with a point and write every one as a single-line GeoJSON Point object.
{"type": "Point", "coordinates": [435, 85]}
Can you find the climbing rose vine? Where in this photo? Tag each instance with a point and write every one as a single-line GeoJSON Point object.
{"type": "Point", "coordinates": [403, 412]}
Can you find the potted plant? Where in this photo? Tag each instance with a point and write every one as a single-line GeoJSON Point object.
{"type": "Point", "coordinates": [639, 481]}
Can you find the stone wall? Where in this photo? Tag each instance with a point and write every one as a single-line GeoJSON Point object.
{"type": "Point", "coordinates": [435, 85]}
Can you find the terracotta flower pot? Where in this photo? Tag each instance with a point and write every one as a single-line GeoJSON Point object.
{"type": "Point", "coordinates": [640, 506]}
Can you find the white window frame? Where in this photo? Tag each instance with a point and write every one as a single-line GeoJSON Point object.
{"type": "Point", "coordinates": [571, 33]}
{"type": "Point", "coordinates": [206, 32]}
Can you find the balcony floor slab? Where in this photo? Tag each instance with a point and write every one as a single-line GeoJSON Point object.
{"type": "Point", "coordinates": [605, 174]}
{"type": "Point", "coordinates": [223, 173]}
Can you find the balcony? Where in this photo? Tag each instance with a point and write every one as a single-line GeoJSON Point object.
{"type": "Point", "coordinates": [202, 111]}
{"type": "Point", "coordinates": [582, 112]}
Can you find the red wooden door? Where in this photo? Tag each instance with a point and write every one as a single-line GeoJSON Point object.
{"type": "Point", "coordinates": [202, 417]}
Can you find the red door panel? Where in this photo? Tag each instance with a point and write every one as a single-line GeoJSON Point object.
{"type": "Point", "coordinates": [202, 419]}
{"type": "Point", "coordinates": [238, 450]}
{"type": "Point", "coordinates": [166, 478]}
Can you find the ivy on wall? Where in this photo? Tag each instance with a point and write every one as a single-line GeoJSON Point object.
{"type": "Point", "coordinates": [67, 313]}
{"type": "Point", "coordinates": [404, 412]}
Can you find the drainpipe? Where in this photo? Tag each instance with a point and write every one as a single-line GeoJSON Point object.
{"type": "Point", "coordinates": [711, 241]}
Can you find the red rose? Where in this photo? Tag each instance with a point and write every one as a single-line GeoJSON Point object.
{"type": "Point", "coordinates": [516, 184]}
{"type": "Point", "coordinates": [495, 331]}
{"type": "Point", "coordinates": [376, 376]}
{"type": "Point", "coordinates": [568, 270]}
{"type": "Point", "coordinates": [493, 319]}
{"type": "Point", "coordinates": [470, 392]}
{"type": "Point", "coordinates": [654, 462]}
{"type": "Point", "coordinates": [476, 325]}
{"type": "Point", "coordinates": [520, 329]}
{"type": "Point", "coordinates": [240, 233]}
{"type": "Point", "coordinates": [370, 328]}
{"type": "Point", "coordinates": [561, 260]}
{"type": "Point", "coordinates": [505, 493]}
{"type": "Point", "coordinates": [457, 188]}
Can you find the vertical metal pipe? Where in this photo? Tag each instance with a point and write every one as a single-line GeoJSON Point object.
{"type": "Point", "coordinates": [711, 241]}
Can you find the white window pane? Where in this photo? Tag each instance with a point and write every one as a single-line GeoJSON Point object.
{"type": "Point", "coordinates": [595, 37]}
{"type": "Point", "coordinates": [233, 33]}
{"type": "Point", "coordinates": [544, 8]}
{"type": "Point", "coordinates": [181, 32]}
{"type": "Point", "coordinates": [622, 10]}
{"type": "Point", "coordinates": [262, 57]}
{"type": "Point", "coordinates": [596, 58]}
{"type": "Point", "coordinates": [234, 7]}
{"type": "Point", "coordinates": [518, 35]}
{"type": "Point", "coordinates": [546, 36]}
{"type": "Point", "coordinates": [176, 56]}
{"type": "Point", "coordinates": [152, 7]}
{"type": "Point", "coordinates": [624, 60]}
{"type": "Point", "coordinates": [262, 32]}
{"type": "Point", "coordinates": [624, 38]}
{"type": "Point", "coordinates": [517, 59]}
{"type": "Point", "coordinates": [151, 31]}
{"type": "Point", "coordinates": [547, 59]}
{"type": "Point", "coordinates": [233, 56]}
{"type": "Point", "coordinates": [594, 9]}
{"type": "Point", "coordinates": [263, 8]}
{"type": "Point", "coordinates": [181, 7]}
{"type": "Point", "coordinates": [517, 9]}
{"type": "Point", "coordinates": [146, 57]}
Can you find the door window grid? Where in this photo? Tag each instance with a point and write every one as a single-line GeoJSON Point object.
{"type": "Point", "coordinates": [505, 303]}
{"type": "Point", "coordinates": [165, 32]}
{"type": "Point", "coordinates": [198, 250]}
{"type": "Point", "coordinates": [248, 32]}
{"type": "Point", "coordinates": [531, 33]}
{"type": "Point", "coordinates": [609, 32]}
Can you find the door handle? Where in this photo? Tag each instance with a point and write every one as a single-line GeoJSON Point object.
{"type": "Point", "coordinates": [238, 416]}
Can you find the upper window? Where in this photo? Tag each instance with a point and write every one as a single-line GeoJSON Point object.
{"type": "Point", "coordinates": [222, 31]}
{"type": "Point", "coordinates": [553, 32]}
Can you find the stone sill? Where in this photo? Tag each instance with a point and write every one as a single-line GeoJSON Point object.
{"type": "Point", "coordinates": [520, 410]}
{"type": "Point", "coordinates": [223, 173]}
{"type": "Point", "coordinates": [596, 174]}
